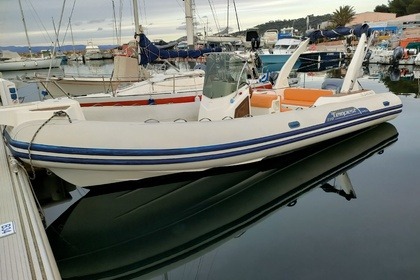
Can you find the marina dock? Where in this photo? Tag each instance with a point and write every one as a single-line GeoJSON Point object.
{"type": "Point", "coordinates": [25, 249]}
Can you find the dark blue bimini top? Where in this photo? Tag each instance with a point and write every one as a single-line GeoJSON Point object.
{"type": "Point", "coordinates": [149, 52]}
{"type": "Point", "coordinates": [339, 31]}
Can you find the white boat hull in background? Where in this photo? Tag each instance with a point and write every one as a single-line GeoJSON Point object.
{"type": "Point", "coordinates": [30, 64]}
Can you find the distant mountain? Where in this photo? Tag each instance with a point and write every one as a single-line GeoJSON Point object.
{"type": "Point", "coordinates": [66, 48]}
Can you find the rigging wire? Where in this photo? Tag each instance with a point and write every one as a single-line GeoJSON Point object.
{"type": "Point", "coordinates": [214, 15]}
{"type": "Point", "coordinates": [132, 16]}
{"type": "Point", "coordinates": [117, 23]}
{"type": "Point", "coordinates": [39, 22]}
{"type": "Point", "coordinates": [183, 11]}
{"type": "Point", "coordinates": [69, 23]}
{"type": "Point", "coordinates": [145, 21]}
{"type": "Point", "coordinates": [236, 13]}
{"type": "Point", "coordinates": [120, 18]}
{"type": "Point", "coordinates": [144, 12]}
{"type": "Point", "coordinates": [56, 42]}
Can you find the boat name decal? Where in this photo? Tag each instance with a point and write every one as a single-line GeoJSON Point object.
{"type": "Point", "coordinates": [345, 113]}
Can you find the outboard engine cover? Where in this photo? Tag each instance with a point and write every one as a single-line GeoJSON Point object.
{"type": "Point", "coordinates": [397, 54]}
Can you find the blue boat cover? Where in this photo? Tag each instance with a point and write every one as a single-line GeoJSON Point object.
{"type": "Point", "coordinates": [339, 31]}
{"type": "Point", "coordinates": [149, 52]}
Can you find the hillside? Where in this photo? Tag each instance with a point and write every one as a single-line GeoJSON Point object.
{"type": "Point", "coordinates": [299, 24]}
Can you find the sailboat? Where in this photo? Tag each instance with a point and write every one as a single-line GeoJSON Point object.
{"type": "Point", "coordinates": [131, 79]}
{"type": "Point", "coordinates": [126, 71]}
{"type": "Point", "coordinates": [12, 61]}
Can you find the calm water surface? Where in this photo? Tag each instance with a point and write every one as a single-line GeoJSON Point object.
{"type": "Point", "coordinates": [266, 221]}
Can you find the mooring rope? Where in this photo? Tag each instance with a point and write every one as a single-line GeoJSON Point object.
{"type": "Point", "coordinates": [55, 114]}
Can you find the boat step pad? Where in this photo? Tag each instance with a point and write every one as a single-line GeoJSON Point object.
{"type": "Point", "coordinates": [303, 96]}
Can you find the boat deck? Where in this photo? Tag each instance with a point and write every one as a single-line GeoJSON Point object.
{"type": "Point", "coordinates": [25, 250]}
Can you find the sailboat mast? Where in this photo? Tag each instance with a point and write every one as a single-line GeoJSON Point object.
{"type": "Point", "coordinates": [26, 29]}
{"type": "Point", "coordinates": [137, 28]}
{"type": "Point", "coordinates": [189, 22]}
{"type": "Point", "coordinates": [136, 17]}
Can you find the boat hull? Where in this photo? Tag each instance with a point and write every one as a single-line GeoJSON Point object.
{"type": "Point", "coordinates": [129, 86]}
{"type": "Point", "coordinates": [274, 62]}
{"type": "Point", "coordinates": [78, 86]}
{"type": "Point", "coordinates": [307, 60]}
{"type": "Point", "coordinates": [93, 152]}
{"type": "Point", "coordinates": [30, 64]}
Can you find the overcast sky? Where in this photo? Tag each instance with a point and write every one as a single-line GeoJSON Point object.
{"type": "Point", "coordinates": [93, 20]}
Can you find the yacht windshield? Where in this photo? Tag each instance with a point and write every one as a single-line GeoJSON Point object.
{"type": "Point", "coordinates": [286, 47]}
{"type": "Point", "coordinates": [224, 73]}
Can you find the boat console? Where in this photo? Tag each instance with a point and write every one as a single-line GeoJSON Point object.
{"type": "Point", "coordinates": [225, 91]}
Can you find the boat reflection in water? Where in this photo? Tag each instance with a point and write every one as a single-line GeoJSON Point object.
{"type": "Point", "coordinates": [399, 79]}
{"type": "Point", "coordinates": [121, 230]}
{"type": "Point", "coordinates": [311, 66]}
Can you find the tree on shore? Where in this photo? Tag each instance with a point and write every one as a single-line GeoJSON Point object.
{"type": "Point", "coordinates": [413, 7]}
{"type": "Point", "coordinates": [382, 9]}
{"type": "Point", "coordinates": [400, 7]}
{"type": "Point", "coordinates": [343, 15]}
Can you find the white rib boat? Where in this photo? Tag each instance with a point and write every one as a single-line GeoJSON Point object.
{"type": "Point", "coordinates": [230, 125]}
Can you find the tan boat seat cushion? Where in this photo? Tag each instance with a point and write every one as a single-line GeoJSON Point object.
{"type": "Point", "coordinates": [303, 96]}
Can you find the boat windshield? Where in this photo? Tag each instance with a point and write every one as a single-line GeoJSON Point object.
{"type": "Point", "coordinates": [224, 74]}
{"type": "Point", "coordinates": [286, 47]}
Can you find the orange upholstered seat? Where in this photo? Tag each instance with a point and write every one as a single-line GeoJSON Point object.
{"type": "Point", "coordinates": [303, 96]}
{"type": "Point", "coordinates": [263, 100]}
